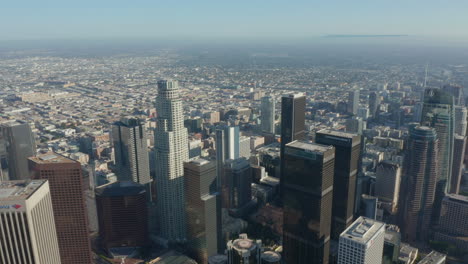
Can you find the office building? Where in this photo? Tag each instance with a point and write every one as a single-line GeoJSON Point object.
{"type": "Point", "coordinates": [244, 147]}
{"type": "Point", "coordinates": [267, 109]}
{"type": "Point", "coordinates": [456, 91]}
{"type": "Point", "coordinates": [362, 242]}
{"type": "Point", "coordinates": [420, 184]}
{"type": "Point", "coordinates": [236, 184]}
{"type": "Point", "coordinates": [68, 201]}
{"type": "Point", "coordinates": [355, 125]}
{"type": "Point", "coordinates": [131, 151]}
{"type": "Point", "coordinates": [363, 112]}
{"type": "Point", "coordinates": [122, 215]}
{"type": "Point", "coordinates": [387, 184]}
{"type": "Point", "coordinates": [369, 206]}
{"type": "Point", "coordinates": [459, 147]}
{"type": "Point", "coordinates": [293, 108]}
{"type": "Point", "coordinates": [17, 144]}
{"type": "Point", "coordinates": [452, 226]}
{"type": "Point", "coordinates": [28, 233]}
{"type": "Point", "coordinates": [353, 102]}
{"type": "Point", "coordinates": [347, 156]}
{"type": "Point", "coordinates": [438, 112]}
{"type": "Point", "coordinates": [244, 250]}
{"type": "Point", "coordinates": [203, 208]}
{"type": "Point", "coordinates": [307, 202]}
{"type": "Point", "coordinates": [171, 150]}
{"type": "Point", "coordinates": [460, 120]}
{"type": "Point", "coordinates": [391, 250]}
{"type": "Point", "coordinates": [374, 104]}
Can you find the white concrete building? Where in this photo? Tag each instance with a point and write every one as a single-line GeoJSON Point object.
{"type": "Point", "coordinates": [171, 148]}
{"type": "Point", "coordinates": [28, 233]}
{"type": "Point", "coordinates": [362, 242]}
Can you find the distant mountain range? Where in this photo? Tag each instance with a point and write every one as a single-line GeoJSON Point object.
{"type": "Point", "coordinates": [364, 36]}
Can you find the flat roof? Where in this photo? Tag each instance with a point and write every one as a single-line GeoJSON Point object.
{"type": "Point", "coordinates": [51, 158]}
{"type": "Point", "coordinates": [309, 146]}
{"type": "Point", "coordinates": [337, 133]}
{"type": "Point", "coordinates": [433, 257]}
{"type": "Point", "coordinates": [18, 190]}
{"type": "Point", "coordinates": [457, 198]}
{"type": "Point", "coordinates": [362, 230]}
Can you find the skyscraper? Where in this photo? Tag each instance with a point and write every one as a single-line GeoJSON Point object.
{"type": "Point", "coordinates": [267, 109]}
{"type": "Point", "coordinates": [17, 144]}
{"type": "Point", "coordinates": [353, 101]}
{"type": "Point", "coordinates": [27, 226]}
{"type": "Point", "coordinates": [227, 144]}
{"type": "Point", "coordinates": [374, 103]}
{"type": "Point", "coordinates": [307, 202]}
{"type": "Point", "coordinates": [236, 183]}
{"type": "Point", "coordinates": [131, 150]}
{"type": "Point", "coordinates": [355, 125]}
{"type": "Point", "coordinates": [292, 124]}
{"type": "Point", "coordinates": [421, 177]}
{"type": "Point", "coordinates": [66, 190]}
{"type": "Point", "coordinates": [452, 226]}
{"type": "Point", "coordinates": [387, 185]}
{"type": "Point", "coordinates": [438, 112]}
{"type": "Point", "coordinates": [122, 214]}
{"type": "Point", "coordinates": [362, 242]}
{"type": "Point", "coordinates": [456, 91]}
{"type": "Point", "coordinates": [347, 156]}
{"type": "Point", "coordinates": [460, 120]}
{"type": "Point", "coordinates": [457, 168]}
{"type": "Point", "coordinates": [171, 150]}
{"type": "Point", "coordinates": [203, 207]}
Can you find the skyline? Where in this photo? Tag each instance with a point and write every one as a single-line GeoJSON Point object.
{"type": "Point", "coordinates": [212, 19]}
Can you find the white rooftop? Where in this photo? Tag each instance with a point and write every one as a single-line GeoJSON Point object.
{"type": "Point", "coordinates": [362, 230]}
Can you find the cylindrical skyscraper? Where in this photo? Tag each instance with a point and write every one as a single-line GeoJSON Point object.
{"type": "Point", "coordinates": [171, 148]}
{"type": "Point", "coordinates": [422, 168]}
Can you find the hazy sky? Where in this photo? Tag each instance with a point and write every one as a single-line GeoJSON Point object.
{"type": "Point", "coordinates": [84, 19]}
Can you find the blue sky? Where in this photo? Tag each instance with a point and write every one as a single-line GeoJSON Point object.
{"type": "Point", "coordinates": [199, 19]}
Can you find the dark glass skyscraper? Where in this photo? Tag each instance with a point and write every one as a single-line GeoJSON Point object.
{"type": "Point", "coordinates": [292, 124]}
{"type": "Point", "coordinates": [438, 112]}
{"type": "Point", "coordinates": [307, 202]}
{"type": "Point", "coordinates": [347, 156]}
{"type": "Point", "coordinates": [420, 183]}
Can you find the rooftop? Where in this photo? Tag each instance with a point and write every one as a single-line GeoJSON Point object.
{"type": "Point", "coordinates": [433, 258]}
{"type": "Point", "coordinates": [337, 133]}
{"type": "Point", "coordinates": [120, 188]}
{"type": "Point", "coordinates": [309, 146]}
{"type": "Point", "coordinates": [51, 158]}
{"type": "Point", "coordinates": [457, 198]}
{"type": "Point", "coordinates": [18, 190]}
{"type": "Point", "coordinates": [362, 230]}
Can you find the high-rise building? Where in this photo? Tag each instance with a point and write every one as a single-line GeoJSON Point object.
{"type": "Point", "coordinates": [391, 250]}
{"type": "Point", "coordinates": [438, 112]}
{"type": "Point", "coordinates": [203, 208]}
{"type": "Point", "coordinates": [131, 150]}
{"type": "Point", "coordinates": [228, 141]}
{"type": "Point", "coordinates": [460, 120]}
{"type": "Point", "coordinates": [122, 214]}
{"type": "Point", "coordinates": [68, 201]}
{"type": "Point", "coordinates": [28, 233]}
{"type": "Point", "coordinates": [362, 242]}
{"type": "Point", "coordinates": [353, 102]}
{"type": "Point", "coordinates": [307, 202]}
{"type": "Point", "coordinates": [17, 144]}
{"type": "Point", "coordinates": [347, 156]}
{"type": "Point", "coordinates": [293, 108]}
{"type": "Point", "coordinates": [171, 150]}
{"type": "Point", "coordinates": [459, 148]}
{"type": "Point", "coordinates": [355, 125]}
{"type": "Point", "coordinates": [421, 177]}
{"type": "Point", "coordinates": [456, 91]}
{"type": "Point", "coordinates": [452, 226]}
{"type": "Point", "coordinates": [244, 147]}
{"type": "Point", "coordinates": [374, 104]}
{"type": "Point", "coordinates": [244, 250]}
{"type": "Point", "coordinates": [267, 109]}
{"type": "Point", "coordinates": [236, 183]}
{"type": "Point", "coordinates": [387, 184]}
